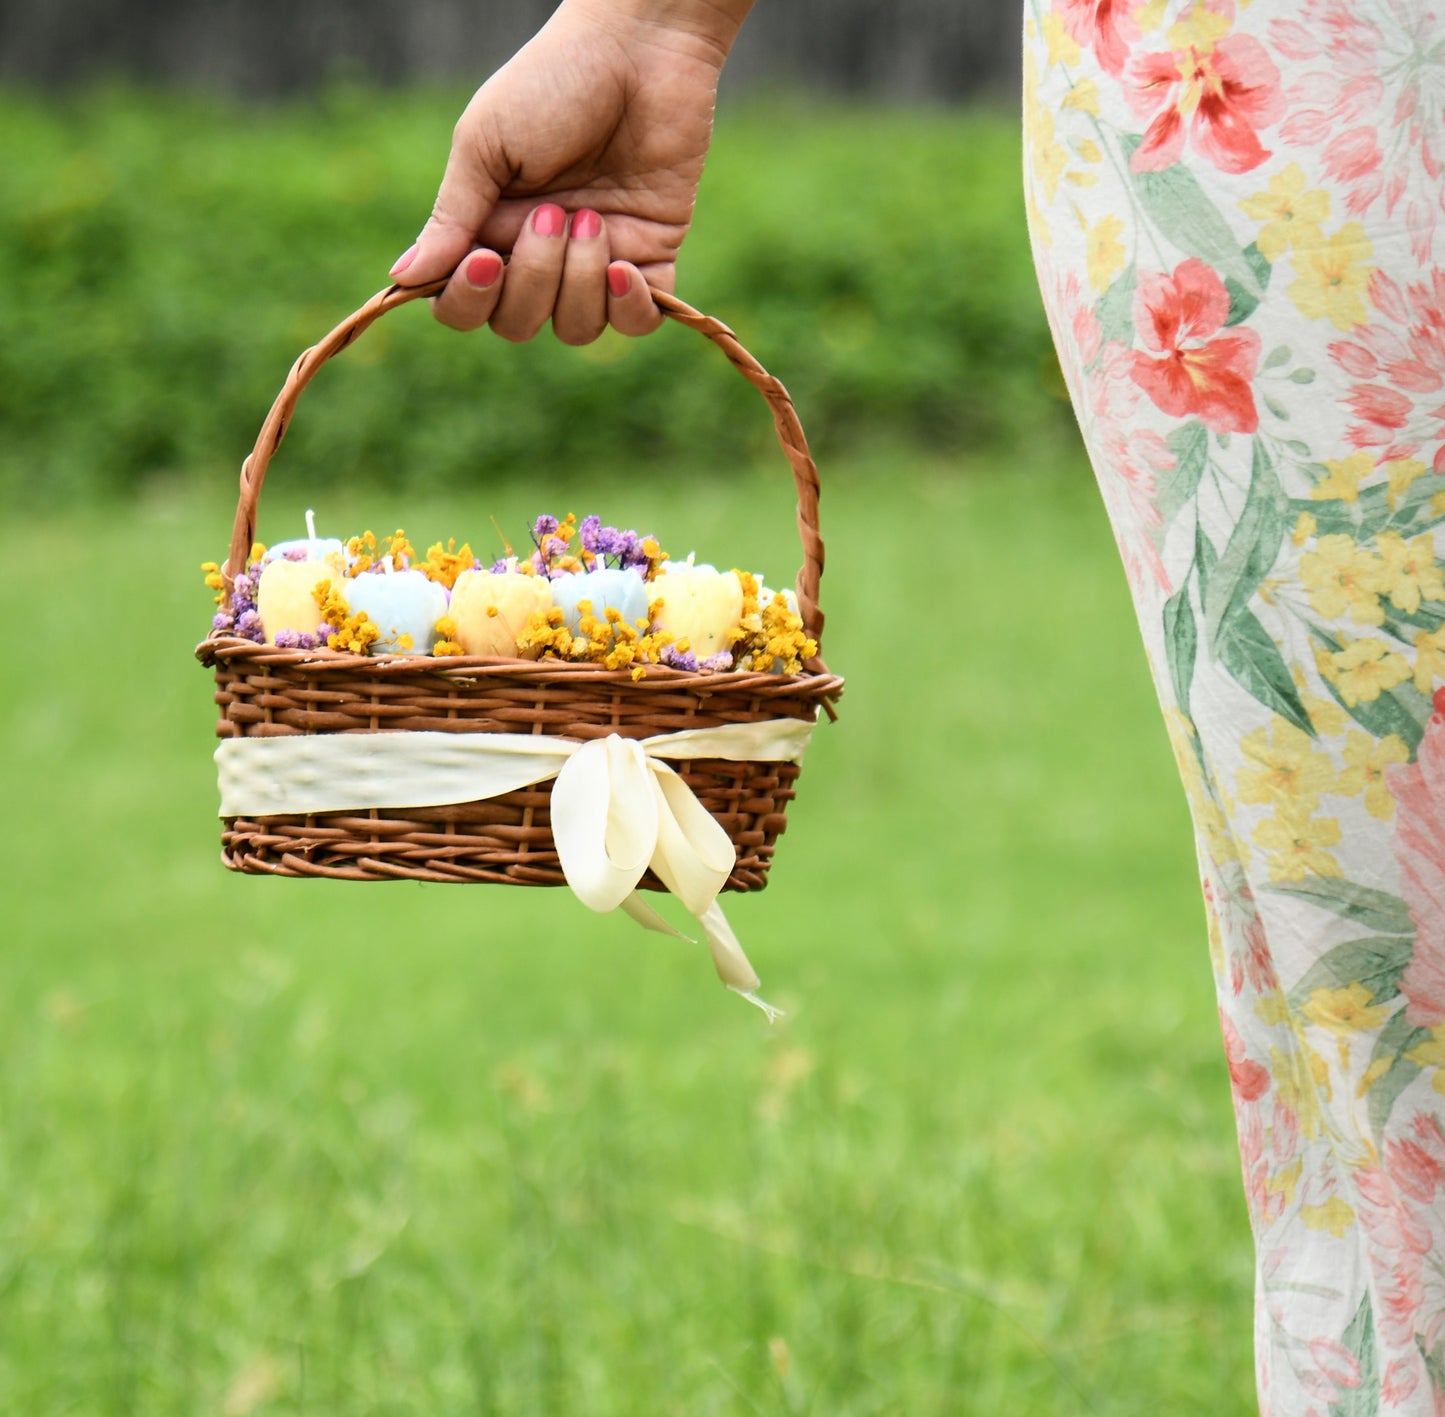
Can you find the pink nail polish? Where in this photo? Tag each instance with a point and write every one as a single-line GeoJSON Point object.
{"type": "Point", "coordinates": [404, 260]}
{"type": "Point", "coordinates": [586, 224]}
{"type": "Point", "coordinates": [549, 220]}
{"type": "Point", "coordinates": [483, 269]}
{"type": "Point", "coordinates": [619, 281]}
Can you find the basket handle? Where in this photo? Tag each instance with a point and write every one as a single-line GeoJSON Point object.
{"type": "Point", "coordinates": [785, 421]}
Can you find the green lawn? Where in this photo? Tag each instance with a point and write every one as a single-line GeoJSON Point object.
{"type": "Point", "coordinates": [273, 1147]}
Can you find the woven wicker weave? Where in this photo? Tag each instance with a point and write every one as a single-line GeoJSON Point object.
{"type": "Point", "coordinates": [266, 691]}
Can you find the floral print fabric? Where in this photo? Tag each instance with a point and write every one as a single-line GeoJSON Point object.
{"type": "Point", "coordinates": [1236, 213]}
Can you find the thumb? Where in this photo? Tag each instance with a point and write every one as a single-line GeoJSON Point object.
{"type": "Point", "coordinates": [464, 201]}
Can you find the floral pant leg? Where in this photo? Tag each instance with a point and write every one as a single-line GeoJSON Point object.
{"type": "Point", "coordinates": [1236, 213]}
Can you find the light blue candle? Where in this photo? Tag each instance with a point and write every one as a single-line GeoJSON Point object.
{"type": "Point", "coordinates": [606, 589]}
{"type": "Point", "coordinates": [312, 548]}
{"type": "Point", "coordinates": [400, 604]}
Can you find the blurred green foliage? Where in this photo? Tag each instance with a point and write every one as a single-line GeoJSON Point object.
{"type": "Point", "coordinates": [165, 258]}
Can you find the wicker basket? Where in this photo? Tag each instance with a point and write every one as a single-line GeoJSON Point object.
{"type": "Point", "coordinates": [264, 691]}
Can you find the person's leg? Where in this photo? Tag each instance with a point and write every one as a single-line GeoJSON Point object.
{"type": "Point", "coordinates": [1236, 218]}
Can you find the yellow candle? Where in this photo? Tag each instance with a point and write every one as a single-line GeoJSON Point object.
{"type": "Point", "coordinates": [286, 596]}
{"type": "Point", "coordinates": [491, 609]}
{"type": "Point", "coordinates": [696, 603]}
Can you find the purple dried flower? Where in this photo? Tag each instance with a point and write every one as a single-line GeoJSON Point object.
{"type": "Point", "coordinates": [248, 626]}
{"type": "Point", "coordinates": [243, 587]}
{"type": "Point", "coordinates": [590, 532]}
{"type": "Point", "coordinates": [679, 659]}
{"type": "Point", "coordinates": [295, 553]}
{"type": "Point", "coordinates": [543, 526]}
{"type": "Point", "coordinates": [499, 566]}
{"type": "Point", "coordinates": [323, 634]}
{"type": "Point", "coordinates": [720, 661]}
{"type": "Point", "coordinates": [223, 623]}
{"type": "Point", "coordinates": [304, 641]}
{"type": "Point", "coordinates": [287, 639]}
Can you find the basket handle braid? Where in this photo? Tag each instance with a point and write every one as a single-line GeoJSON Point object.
{"type": "Point", "coordinates": [785, 420]}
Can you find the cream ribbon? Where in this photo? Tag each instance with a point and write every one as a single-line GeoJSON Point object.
{"type": "Point", "coordinates": [617, 808]}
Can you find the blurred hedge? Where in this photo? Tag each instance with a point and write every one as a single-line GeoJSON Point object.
{"type": "Point", "coordinates": [165, 258]}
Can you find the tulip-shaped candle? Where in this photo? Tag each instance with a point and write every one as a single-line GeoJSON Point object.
{"type": "Point", "coordinates": [605, 589]}
{"type": "Point", "coordinates": [403, 605]}
{"type": "Point", "coordinates": [312, 548]}
{"type": "Point", "coordinates": [491, 609]}
{"type": "Point", "coordinates": [698, 605]}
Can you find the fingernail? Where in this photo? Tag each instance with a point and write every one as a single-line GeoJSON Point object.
{"type": "Point", "coordinates": [404, 260]}
{"type": "Point", "coordinates": [619, 281]}
{"type": "Point", "coordinates": [483, 269]}
{"type": "Point", "coordinates": [549, 220]}
{"type": "Point", "coordinates": [586, 224]}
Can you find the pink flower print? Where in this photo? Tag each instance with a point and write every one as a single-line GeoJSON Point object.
{"type": "Point", "coordinates": [1192, 368]}
{"type": "Point", "coordinates": [1218, 93]}
{"type": "Point", "coordinates": [1419, 792]}
{"type": "Point", "coordinates": [1398, 1243]}
{"type": "Point", "coordinates": [1399, 363]}
{"type": "Point", "coordinates": [1105, 26]}
{"type": "Point", "coordinates": [1248, 1080]}
{"type": "Point", "coordinates": [1401, 1379]}
{"type": "Point", "coordinates": [1413, 1169]}
{"type": "Point", "coordinates": [1371, 97]}
{"type": "Point", "coordinates": [1336, 1363]}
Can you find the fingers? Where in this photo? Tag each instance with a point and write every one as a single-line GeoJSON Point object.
{"type": "Point", "coordinates": [630, 308]}
{"type": "Point", "coordinates": [559, 270]}
{"type": "Point", "coordinates": [472, 293]}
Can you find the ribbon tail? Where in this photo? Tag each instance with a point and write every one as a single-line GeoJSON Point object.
{"type": "Point", "coordinates": [727, 954]}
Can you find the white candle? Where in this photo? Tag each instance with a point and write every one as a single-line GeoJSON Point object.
{"type": "Point", "coordinates": [604, 589]}
{"type": "Point", "coordinates": [312, 548]}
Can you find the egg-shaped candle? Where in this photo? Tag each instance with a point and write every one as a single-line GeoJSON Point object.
{"type": "Point", "coordinates": [697, 604]}
{"type": "Point", "coordinates": [403, 605]}
{"type": "Point", "coordinates": [491, 609]}
{"type": "Point", "coordinates": [311, 548]}
{"type": "Point", "coordinates": [604, 589]}
{"type": "Point", "coordinates": [286, 596]}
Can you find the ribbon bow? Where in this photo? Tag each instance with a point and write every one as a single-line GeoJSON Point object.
{"type": "Point", "coordinates": [617, 808]}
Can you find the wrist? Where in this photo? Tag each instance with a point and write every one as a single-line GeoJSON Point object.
{"type": "Point", "coordinates": [711, 24]}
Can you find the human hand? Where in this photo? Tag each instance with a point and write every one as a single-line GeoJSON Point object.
{"type": "Point", "coordinates": [580, 160]}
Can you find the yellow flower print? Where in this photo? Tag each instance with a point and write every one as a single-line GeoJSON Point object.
{"type": "Point", "coordinates": [1340, 576]}
{"type": "Point", "coordinates": [1346, 1010]}
{"type": "Point", "coordinates": [1063, 48]}
{"type": "Point", "coordinates": [1431, 1054]}
{"type": "Point", "coordinates": [1304, 528]}
{"type": "Point", "coordinates": [1105, 252]}
{"type": "Point", "coordinates": [1284, 766]}
{"type": "Point", "coordinates": [1273, 1008]}
{"type": "Point", "coordinates": [1326, 716]}
{"type": "Point", "coordinates": [1150, 15]}
{"type": "Point", "coordinates": [1301, 1076]}
{"type": "Point", "coordinates": [1200, 29]}
{"type": "Point", "coordinates": [1291, 215]}
{"type": "Point", "coordinates": [1430, 660]}
{"type": "Point", "coordinates": [1345, 476]}
{"type": "Point", "coordinates": [1084, 96]}
{"type": "Point", "coordinates": [1411, 573]}
{"type": "Point", "coordinates": [1403, 472]}
{"type": "Point", "coordinates": [1295, 842]}
{"type": "Point", "coordinates": [1364, 670]}
{"type": "Point", "coordinates": [1047, 156]}
{"type": "Point", "coordinates": [1334, 1215]}
{"type": "Point", "coordinates": [1365, 764]}
{"type": "Point", "coordinates": [1332, 278]}
{"type": "Point", "coordinates": [1089, 150]}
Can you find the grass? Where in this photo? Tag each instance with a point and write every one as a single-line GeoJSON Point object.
{"type": "Point", "coordinates": [273, 1147]}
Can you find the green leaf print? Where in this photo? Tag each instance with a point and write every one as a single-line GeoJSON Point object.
{"type": "Point", "coordinates": [1242, 302]}
{"type": "Point", "coordinates": [1181, 643]}
{"type": "Point", "coordinates": [1362, 1400]}
{"type": "Point", "coordinates": [1376, 963]}
{"type": "Point", "coordinates": [1190, 445]}
{"type": "Point", "coordinates": [1377, 910]}
{"type": "Point", "coordinates": [1394, 1041]}
{"type": "Point", "coordinates": [1177, 205]}
{"type": "Point", "coordinates": [1253, 545]}
{"type": "Point", "coordinates": [1253, 660]}
{"type": "Point", "coordinates": [1115, 310]}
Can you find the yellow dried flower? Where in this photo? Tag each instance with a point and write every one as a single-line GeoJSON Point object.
{"type": "Point", "coordinates": [356, 633]}
{"type": "Point", "coordinates": [444, 565]}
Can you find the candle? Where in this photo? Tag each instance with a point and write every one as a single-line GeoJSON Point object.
{"type": "Point", "coordinates": [313, 548]}
{"type": "Point", "coordinates": [404, 605]}
{"type": "Point", "coordinates": [286, 596]}
{"type": "Point", "coordinates": [605, 589]}
{"type": "Point", "coordinates": [491, 609]}
{"type": "Point", "coordinates": [696, 604]}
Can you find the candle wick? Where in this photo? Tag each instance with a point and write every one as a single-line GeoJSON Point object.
{"type": "Point", "coordinates": [311, 524]}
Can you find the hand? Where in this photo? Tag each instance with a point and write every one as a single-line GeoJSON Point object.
{"type": "Point", "coordinates": [580, 159]}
